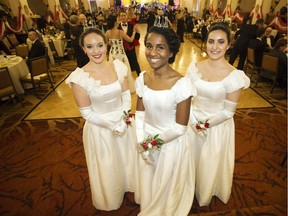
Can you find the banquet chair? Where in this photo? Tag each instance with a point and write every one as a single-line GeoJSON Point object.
{"type": "Point", "coordinates": [9, 46]}
{"type": "Point", "coordinates": [269, 69]}
{"type": "Point", "coordinates": [250, 62]}
{"type": "Point", "coordinates": [13, 40]}
{"type": "Point", "coordinates": [22, 50]}
{"type": "Point", "coordinates": [39, 74]}
{"type": "Point", "coordinates": [54, 51]}
{"type": "Point", "coordinates": [7, 88]}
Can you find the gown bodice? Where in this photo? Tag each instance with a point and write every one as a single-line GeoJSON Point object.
{"type": "Point", "coordinates": [105, 99]}
{"type": "Point", "coordinates": [160, 105]}
{"type": "Point", "coordinates": [211, 96]}
{"type": "Point", "coordinates": [117, 47]}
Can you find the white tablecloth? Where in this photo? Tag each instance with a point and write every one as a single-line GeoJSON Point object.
{"type": "Point", "coordinates": [17, 68]}
{"type": "Point", "coordinates": [60, 46]}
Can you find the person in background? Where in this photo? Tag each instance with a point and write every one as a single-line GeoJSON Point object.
{"type": "Point", "coordinates": [219, 86]}
{"type": "Point", "coordinates": [76, 29]}
{"type": "Point", "coordinates": [280, 51]}
{"type": "Point", "coordinates": [101, 92]}
{"type": "Point", "coordinates": [180, 24]}
{"type": "Point", "coordinates": [259, 46]}
{"type": "Point", "coordinates": [38, 48]}
{"type": "Point", "coordinates": [164, 182]}
{"type": "Point", "coordinates": [115, 39]}
{"type": "Point", "coordinates": [246, 33]}
{"type": "Point", "coordinates": [268, 38]}
{"type": "Point", "coordinates": [129, 46]}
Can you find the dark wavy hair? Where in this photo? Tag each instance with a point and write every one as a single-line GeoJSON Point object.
{"type": "Point", "coordinates": [111, 21]}
{"type": "Point", "coordinates": [90, 31]}
{"type": "Point", "coordinates": [222, 26]}
{"type": "Point", "coordinates": [171, 37]}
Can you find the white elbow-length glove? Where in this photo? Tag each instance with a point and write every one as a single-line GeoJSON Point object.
{"type": "Point", "coordinates": [227, 113]}
{"type": "Point", "coordinates": [89, 115]}
{"type": "Point", "coordinates": [126, 100]}
{"type": "Point", "coordinates": [172, 133]}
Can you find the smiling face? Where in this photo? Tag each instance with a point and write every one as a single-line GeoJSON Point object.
{"type": "Point", "coordinates": [157, 51]}
{"type": "Point", "coordinates": [95, 48]}
{"type": "Point", "coordinates": [217, 44]}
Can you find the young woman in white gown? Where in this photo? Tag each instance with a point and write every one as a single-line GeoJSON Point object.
{"type": "Point", "coordinates": [115, 40]}
{"type": "Point", "coordinates": [164, 185]}
{"type": "Point", "coordinates": [219, 87]}
{"type": "Point", "coordinates": [101, 92]}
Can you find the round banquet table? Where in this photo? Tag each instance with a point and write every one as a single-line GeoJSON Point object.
{"type": "Point", "coordinates": [17, 68]}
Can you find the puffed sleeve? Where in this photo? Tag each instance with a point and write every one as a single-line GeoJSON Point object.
{"type": "Point", "coordinates": [236, 80]}
{"type": "Point", "coordinates": [139, 84]}
{"type": "Point", "coordinates": [121, 69]}
{"type": "Point", "coordinates": [192, 72]}
{"type": "Point", "coordinates": [183, 89]}
{"type": "Point", "coordinates": [79, 77]}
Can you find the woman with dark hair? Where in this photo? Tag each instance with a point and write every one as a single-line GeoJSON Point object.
{"type": "Point", "coordinates": [115, 40]}
{"type": "Point", "coordinates": [219, 86]}
{"type": "Point", "coordinates": [102, 94]}
{"type": "Point", "coordinates": [164, 175]}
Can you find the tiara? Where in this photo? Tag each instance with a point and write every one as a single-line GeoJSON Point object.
{"type": "Point", "coordinates": [161, 21]}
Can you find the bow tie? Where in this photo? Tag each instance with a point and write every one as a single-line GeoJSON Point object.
{"type": "Point", "coordinates": [124, 24]}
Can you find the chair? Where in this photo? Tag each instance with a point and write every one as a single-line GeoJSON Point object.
{"type": "Point", "coordinates": [54, 51]}
{"type": "Point", "coordinates": [9, 45]}
{"type": "Point", "coordinates": [22, 51]}
{"type": "Point", "coordinates": [7, 88]}
{"type": "Point", "coordinates": [250, 62]}
{"type": "Point", "coordinates": [13, 40]}
{"type": "Point", "coordinates": [269, 69]}
{"type": "Point", "coordinates": [39, 74]}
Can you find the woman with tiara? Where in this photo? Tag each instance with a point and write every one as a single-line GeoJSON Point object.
{"type": "Point", "coordinates": [164, 175]}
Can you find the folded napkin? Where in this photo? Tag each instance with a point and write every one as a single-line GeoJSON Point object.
{"type": "Point", "coordinates": [38, 77]}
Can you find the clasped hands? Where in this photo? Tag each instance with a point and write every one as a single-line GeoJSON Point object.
{"type": "Point", "coordinates": [119, 129]}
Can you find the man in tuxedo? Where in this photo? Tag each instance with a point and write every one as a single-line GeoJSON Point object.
{"type": "Point", "coordinates": [259, 47]}
{"type": "Point", "coordinates": [268, 38]}
{"type": "Point", "coordinates": [129, 47]}
{"type": "Point", "coordinates": [246, 33]}
{"type": "Point", "coordinates": [38, 48]}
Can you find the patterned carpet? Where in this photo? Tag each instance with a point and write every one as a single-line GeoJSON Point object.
{"type": "Point", "coordinates": [43, 169]}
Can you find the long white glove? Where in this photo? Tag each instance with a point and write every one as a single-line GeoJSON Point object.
{"type": "Point", "coordinates": [139, 121]}
{"type": "Point", "coordinates": [226, 113]}
{"type": "Point", "coordinates": [89, 115]}
{"type": "Point", "coordinates": [172, 133]}
{"type": "Point", "coordinates": [126, 100]}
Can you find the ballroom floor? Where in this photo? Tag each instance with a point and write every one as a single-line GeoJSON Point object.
{"type": "Point", "coordinates": [43, 169]}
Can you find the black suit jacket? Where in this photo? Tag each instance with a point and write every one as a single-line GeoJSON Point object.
{"type": "Point", "coordinates": [259, 48]}
{"type": "Point", "coordinates": [264, 39]}
{"type": "Point", "coordinates": [128, 46]}
{"type": "Point", "coordinates": [37, 49]}
{"type": "Point", "coordinates": [246, 33]}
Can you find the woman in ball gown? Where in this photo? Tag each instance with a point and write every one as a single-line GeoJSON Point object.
{"type": "Point", "coordinates": [164, 182]}
{"type": "Point", "coordinates": [101, 92]}
{"type": "Point", "coordinates": [219, 87]}
{"type": "Point", "coordinates": [115, 40]}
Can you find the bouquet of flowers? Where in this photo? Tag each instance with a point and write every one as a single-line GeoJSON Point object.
{"type": "Point", "coordinates": [51, 30]}
{"type": "Point", "coordinates": [200, 128]}
{"type": "Point", "coordinates": [127, 117]}
{"type": "Point", "coordinates": [148, 146]}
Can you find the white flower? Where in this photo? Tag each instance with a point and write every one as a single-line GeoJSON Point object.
{"type": "Point", "coordinates": [149, 145]}
{"type": "Point", "coordinates": [146, 153]}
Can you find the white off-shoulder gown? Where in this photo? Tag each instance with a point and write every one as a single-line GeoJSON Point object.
{"type": "Point", "coordinates": [215, 155]}
{"type": "Point", "coordinates": [109, 158]}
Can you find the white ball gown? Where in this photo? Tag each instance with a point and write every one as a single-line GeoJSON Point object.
{"type": "Point", "coordinates": [214, 156]}
{"type": "Point", "coordinates": [109, 158]}
{"type": "Point", "coordinates": [167, 186]}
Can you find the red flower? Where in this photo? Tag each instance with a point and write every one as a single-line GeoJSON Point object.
{"type": "Point", "coordinates": [154, 142]}
{"type": "Point", "coordinates": [145, 145]}
{"type": "Point", "coordinates": [206, 124]}
{"type": "Point", "coordinates": [198, 127]}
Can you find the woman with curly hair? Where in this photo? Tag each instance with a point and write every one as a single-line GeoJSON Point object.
{"type": "Point", "coordinates": [115, 40]}
{"type": "Point", "coordinates": [164, 178]}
